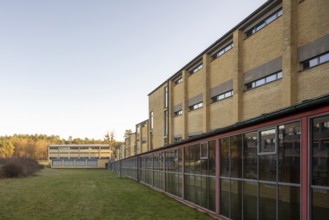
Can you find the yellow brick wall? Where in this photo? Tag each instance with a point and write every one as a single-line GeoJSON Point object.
{"type": "Point", "coordinates": [221, 113]}
{"type": "Point", "coordinates": [156, 104]}
{"type": "Point", "coordinates": [221, 69]}
{"type": "Point", "coordinates": [178, 125]}
{"type": "Point", "coordinates": [263, 99]}
{"type": "Point", "coordinates": [263, 46]}
{"type": "Point", "coordinates": [195, 123]}
{"type": "Point", "coordinates": [313, 20]}
{"type": "Point", "coordinates": [313, 82]}
{"type": "Point", "coordinates": [196, 83]}
{"type": "Point", "coordinates": [178, 94]}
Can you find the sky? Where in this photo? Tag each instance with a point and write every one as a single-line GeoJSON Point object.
{"type": "Point", "coordinates": [82, 68]}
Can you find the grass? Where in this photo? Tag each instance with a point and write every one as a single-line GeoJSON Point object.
{"type": "Point", "coordinates": [86, 194]}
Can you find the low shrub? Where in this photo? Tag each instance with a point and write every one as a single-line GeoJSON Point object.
{"type": "Point", "coordinates": [19, 167]}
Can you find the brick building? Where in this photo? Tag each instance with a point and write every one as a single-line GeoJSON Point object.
{"type": "Point", "coordinates": [241, 131]}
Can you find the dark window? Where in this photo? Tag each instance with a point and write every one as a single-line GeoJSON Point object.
{"type": "Point", "coordinates": [222, 51]}
{"type": "Point", "coordinates": [263, 81]}
{"type": "Point", "coordinates": [196, 106]}
{"type": "Point", "coordinates": [179, 112]}
{"type": "Point", "coordinates": [178, 80]}
{"type": "Point", "coordinates": [222, 96]}
{"type": "Point", "coordinates": [196, 69]}
{"type": "Point", "coordinates": [315, 61]}
{"type": "Point", "coordinates": [264, 23]}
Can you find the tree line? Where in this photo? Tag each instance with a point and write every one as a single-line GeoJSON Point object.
{"type": "Point", "coordinates": [35, 146]}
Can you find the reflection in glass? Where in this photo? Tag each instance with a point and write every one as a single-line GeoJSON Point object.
{"type": "Point", "coordinates": [212, 194]}
{"type": "Point", "coordinates": [320, 151]}
{"type": "Point", "coordinates": [289, 153]}
{"type": "Point", "coordinates": [289, 202]}
{"type": "Point", "coordinates": [267, 141]}
{"type": "Point", "coordinates": [250, 200]}
{"type": "Point", "coordinates": [225, 197]}
{"type": "Point", "coordinates": [267, 201]}
{"type": "Point", "coordinates": [236, 199]}
{"type": "Point", "coordinates": [236, 156]}
{"type": "Point", "coordinates": [267, 167]}
{"type": "Point", "coordinates": [212, 158]}
{"type": "Point", "coordinates": [225, 157]}
{"type": "Point", "coordinates": [250, 155]}
{"type": "Point", "coordinates": [320, 205]}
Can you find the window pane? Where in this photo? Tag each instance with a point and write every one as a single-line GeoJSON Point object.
{"type": "Point", "coordinates": [236, 199]}
{"type": "Point", "coordinates": [225, 157]}
{"type": "Point", "coordinates": [260, 82]}
{"type": "Point", "coordinates": [267, 167]}
{"type": "Point", "coordinates": [236, 156]}
{"type": "Point", "coordinates": [279, 75]}
{"type": "Point", "coordinates": [270, 78]}
{"type": "Point", "coordinates": [267, 201]}
{"type": "Point", "coordinates": [313, 62]}
{"type": "Point", "coordinates": [270, 19]}
{"type": "Point", "coordinates": [289, 202]}
{"type": "Point", "coordinates": [320, 205]}
{"type": "Point", "coordinates": [197, 160]}
{"type": "Point", "coordinates": [320, 151]}
{"type": "Point", "coordinates": [225, 197]}
{"type": "Point", "coordinates": [250, 155]}
{"type": "Point", "coordinates": [289, 153]}
{"type": "Point", "coordinates": [267, 141]}
{"type": "Point", "coordinates": [212, 158]}
{"type": "Point", "coordinates": [324, 58]}
{"type": "Point", "coordinates": [212, 194]}
{"type": "Point", "coordinates": [249, 200]}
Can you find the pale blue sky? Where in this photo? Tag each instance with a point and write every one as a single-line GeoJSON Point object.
{"type": "Point", "coordinates": [84, 67]}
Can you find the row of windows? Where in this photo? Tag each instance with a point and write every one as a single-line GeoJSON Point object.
{"type": "Point", "coordinates": [196, 106]}
{"type": "Point", "coordinates": [263, 80]}
{"type": "Point", "coordinates": [315, 61]}
{"type": "Point", "coordinates": [222, 96]}
{"type": "Point", "coordinates": [222, 51]}
{"type": "Point", "coordinates": [260, 172]}
{"type": "Point", "coordinates": [264, 23]}
{"type": "Point", "coordinates": [196, 69]}
{"type": "Point", "coordinates": [79, 158]}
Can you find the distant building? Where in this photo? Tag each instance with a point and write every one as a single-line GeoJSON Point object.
{"type": "Point", "coordinates": [79, 155]}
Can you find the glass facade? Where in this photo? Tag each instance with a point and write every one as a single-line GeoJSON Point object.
{"type": "Point", "coordinates": [320, 168]}
{"type": "Point", "coordinates": [200, 174]}
{"type": "Point", "coordinates": [260, 173]}
{"type": "Point", "coordinates": [174, 172]}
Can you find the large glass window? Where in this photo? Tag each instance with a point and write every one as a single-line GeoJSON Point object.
{"type": "Point", "coordinates": [320, 167]}
{"type": "Point", "coordinates": [260, 174]}
{"type": "Point", "coordinates": [200, 174]}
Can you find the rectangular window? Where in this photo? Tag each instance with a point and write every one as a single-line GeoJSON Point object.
{"type": "Point", "coordinates": [166, 121]}
{"type": "Point", "coordinates": [264, 23]}
{"type": "Point", "coordinates": [178, 113]}
{"type": "Point", "coordinates": [263, 81]}
{"type": "Point", "coordinates": [222, 96]}
{"type": "Point", "coordinates": [166, 97]}
{"type": "Point", "coordinates": [151, 120]}
{"type": "Point", "coordinates": [196, 69]}
{"type": "Point", "coordinates": [178, 80]}
{"type": "Point", "coordinates": [178, 139]}
{"type": "Point", "coordinates": [315, 61]}
{"type": "Point", "coordinates": [196, 106]}
{"type": "Point", "coordinates": [267, 143]}
{"type": "Point", "coordinates": [222, 50]}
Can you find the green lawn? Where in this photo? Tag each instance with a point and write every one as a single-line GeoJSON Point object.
{"type": "Point", "coordinates": [86, 194]}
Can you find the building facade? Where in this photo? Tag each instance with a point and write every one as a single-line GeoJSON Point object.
{"type": "Point", "coordinates": [275, 58]}
{"type": "Point", "coordinates": [241, 131]}
{"type": "Point", "coordinates": [79, 155]}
